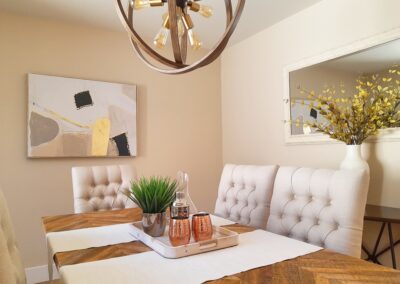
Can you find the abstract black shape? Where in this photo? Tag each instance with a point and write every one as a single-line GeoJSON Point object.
{"type": "Point", "coordinates": [83, 99]}
{"type": "Point", "coordinates": [122, 144]}
{"type": "Point", "coordinates": [313, 113]}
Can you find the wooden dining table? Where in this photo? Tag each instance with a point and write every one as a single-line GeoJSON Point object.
{"type": "Point", "coordinates": [323, 266]}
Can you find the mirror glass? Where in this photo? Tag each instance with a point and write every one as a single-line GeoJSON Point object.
{"type": "Point", "coordinates": [341, 72]}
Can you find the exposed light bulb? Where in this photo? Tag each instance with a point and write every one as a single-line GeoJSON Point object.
{"type": "Point", "coordinates": [194, 41]}
{"type": "Point", "coordinates": [139, 4]}
{"type": "Point", "coordinates": [160, 40]}
{"type": "Point", "coordinates": [181, 28]}
{"type": "Point", "coordinates": [206, 11]}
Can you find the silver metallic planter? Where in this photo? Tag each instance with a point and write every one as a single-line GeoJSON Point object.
{"type": "Point", "coordinates": [154, 223]}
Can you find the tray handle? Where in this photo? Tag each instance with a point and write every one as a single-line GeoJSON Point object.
{"type": "Point", "coordinates": [208, 244]}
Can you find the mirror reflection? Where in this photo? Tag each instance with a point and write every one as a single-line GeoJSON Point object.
{"type": "Point", "coordinates": [340, 75]}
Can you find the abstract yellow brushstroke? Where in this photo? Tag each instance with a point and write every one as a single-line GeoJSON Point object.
{"type": "Point", "coordinates": [100, 136]}
{"type": "Point", "coordinates": [63, 117]}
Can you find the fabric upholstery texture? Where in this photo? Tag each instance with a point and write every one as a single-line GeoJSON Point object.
{"type": "Point", "coordinates": [244, 194]}
{"type": "Point", "coordinates": [100, 188]}
{"type": "Point", "coordinates": [321, 207]}
{"type": "Point", "coordinates": [11, 268]}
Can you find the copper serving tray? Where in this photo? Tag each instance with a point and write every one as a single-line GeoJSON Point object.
{"type": "Point", "coordinates": [222, 238]}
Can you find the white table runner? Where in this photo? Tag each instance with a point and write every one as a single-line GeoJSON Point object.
{"type": "Point", "coordinates": [255, 249]}
{"type": "Point", "coordinates": [89, 237]}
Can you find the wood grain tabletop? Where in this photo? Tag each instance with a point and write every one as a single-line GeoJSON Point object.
{"type": "Point", "coordinates": [319, 267]}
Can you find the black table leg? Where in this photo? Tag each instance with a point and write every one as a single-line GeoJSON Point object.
{"type": "Point", "coordinates": [378, 240]}
{"type": "Point", "coordinates": [369, 255]}
{"type": "Point", "coordinates": [387, 248]}
{"type": "Point", "coordinates": [391, 245]}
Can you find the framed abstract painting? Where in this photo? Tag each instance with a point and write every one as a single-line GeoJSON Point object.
{"type": "Point", "coordinates": [80, 118]}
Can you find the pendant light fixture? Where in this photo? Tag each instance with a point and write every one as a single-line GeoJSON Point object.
{"type": "Point", "coordinates": [177, 25]}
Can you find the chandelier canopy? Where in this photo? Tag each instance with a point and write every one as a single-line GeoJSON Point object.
{"type": "Point", "coordinates": [178, 25]}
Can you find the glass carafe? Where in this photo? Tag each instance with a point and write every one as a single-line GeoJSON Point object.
{"type": "Point", "coordinates": [183, 186]}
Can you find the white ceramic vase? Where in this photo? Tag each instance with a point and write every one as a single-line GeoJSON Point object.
{"type": "Point", "coordinates": [353, 159]}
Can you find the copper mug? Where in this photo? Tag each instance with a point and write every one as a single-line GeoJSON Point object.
{"type": "Point", "coordinates": [179, 231]}
{"type": "Point", "coordinates": [202, 227]}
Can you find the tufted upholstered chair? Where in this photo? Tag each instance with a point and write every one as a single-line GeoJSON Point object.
{"type": "Point", "coordinates": [11, 268]}
{"type": "Point", "coordinates": [244, 194]}
{"type": "Point", "coordinates": [321, 207]}
{"type": "Point", "coordinates": [101, 188]}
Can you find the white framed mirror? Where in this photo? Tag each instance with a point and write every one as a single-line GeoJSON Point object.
{"type": "Point", "coordinates": [341, 66]}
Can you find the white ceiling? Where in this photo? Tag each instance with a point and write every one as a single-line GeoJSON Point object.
{"type": "Point", "coordinates": [257, 15]}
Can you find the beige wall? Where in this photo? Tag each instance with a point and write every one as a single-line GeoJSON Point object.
{"type": "Point", "coordinates": [178, 119]}
{"type": "Point", "coordinates": [252, 90]}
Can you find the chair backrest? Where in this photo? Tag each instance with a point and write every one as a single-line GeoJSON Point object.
{"type": "Point", "coordinates": [100, 188]}
{"type": "Point", "coordinates": [11, 268]}
{"type": "Point", "coordinates": [244, 194]}
{"type": "Point", "coordinates": [321, 207]}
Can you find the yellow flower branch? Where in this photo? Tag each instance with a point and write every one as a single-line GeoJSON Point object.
{"type": "Point", "coordinates": [375, 106]}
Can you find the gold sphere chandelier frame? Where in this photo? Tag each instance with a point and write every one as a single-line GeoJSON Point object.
{"type": "Point", "coordinates": [178, 23]}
